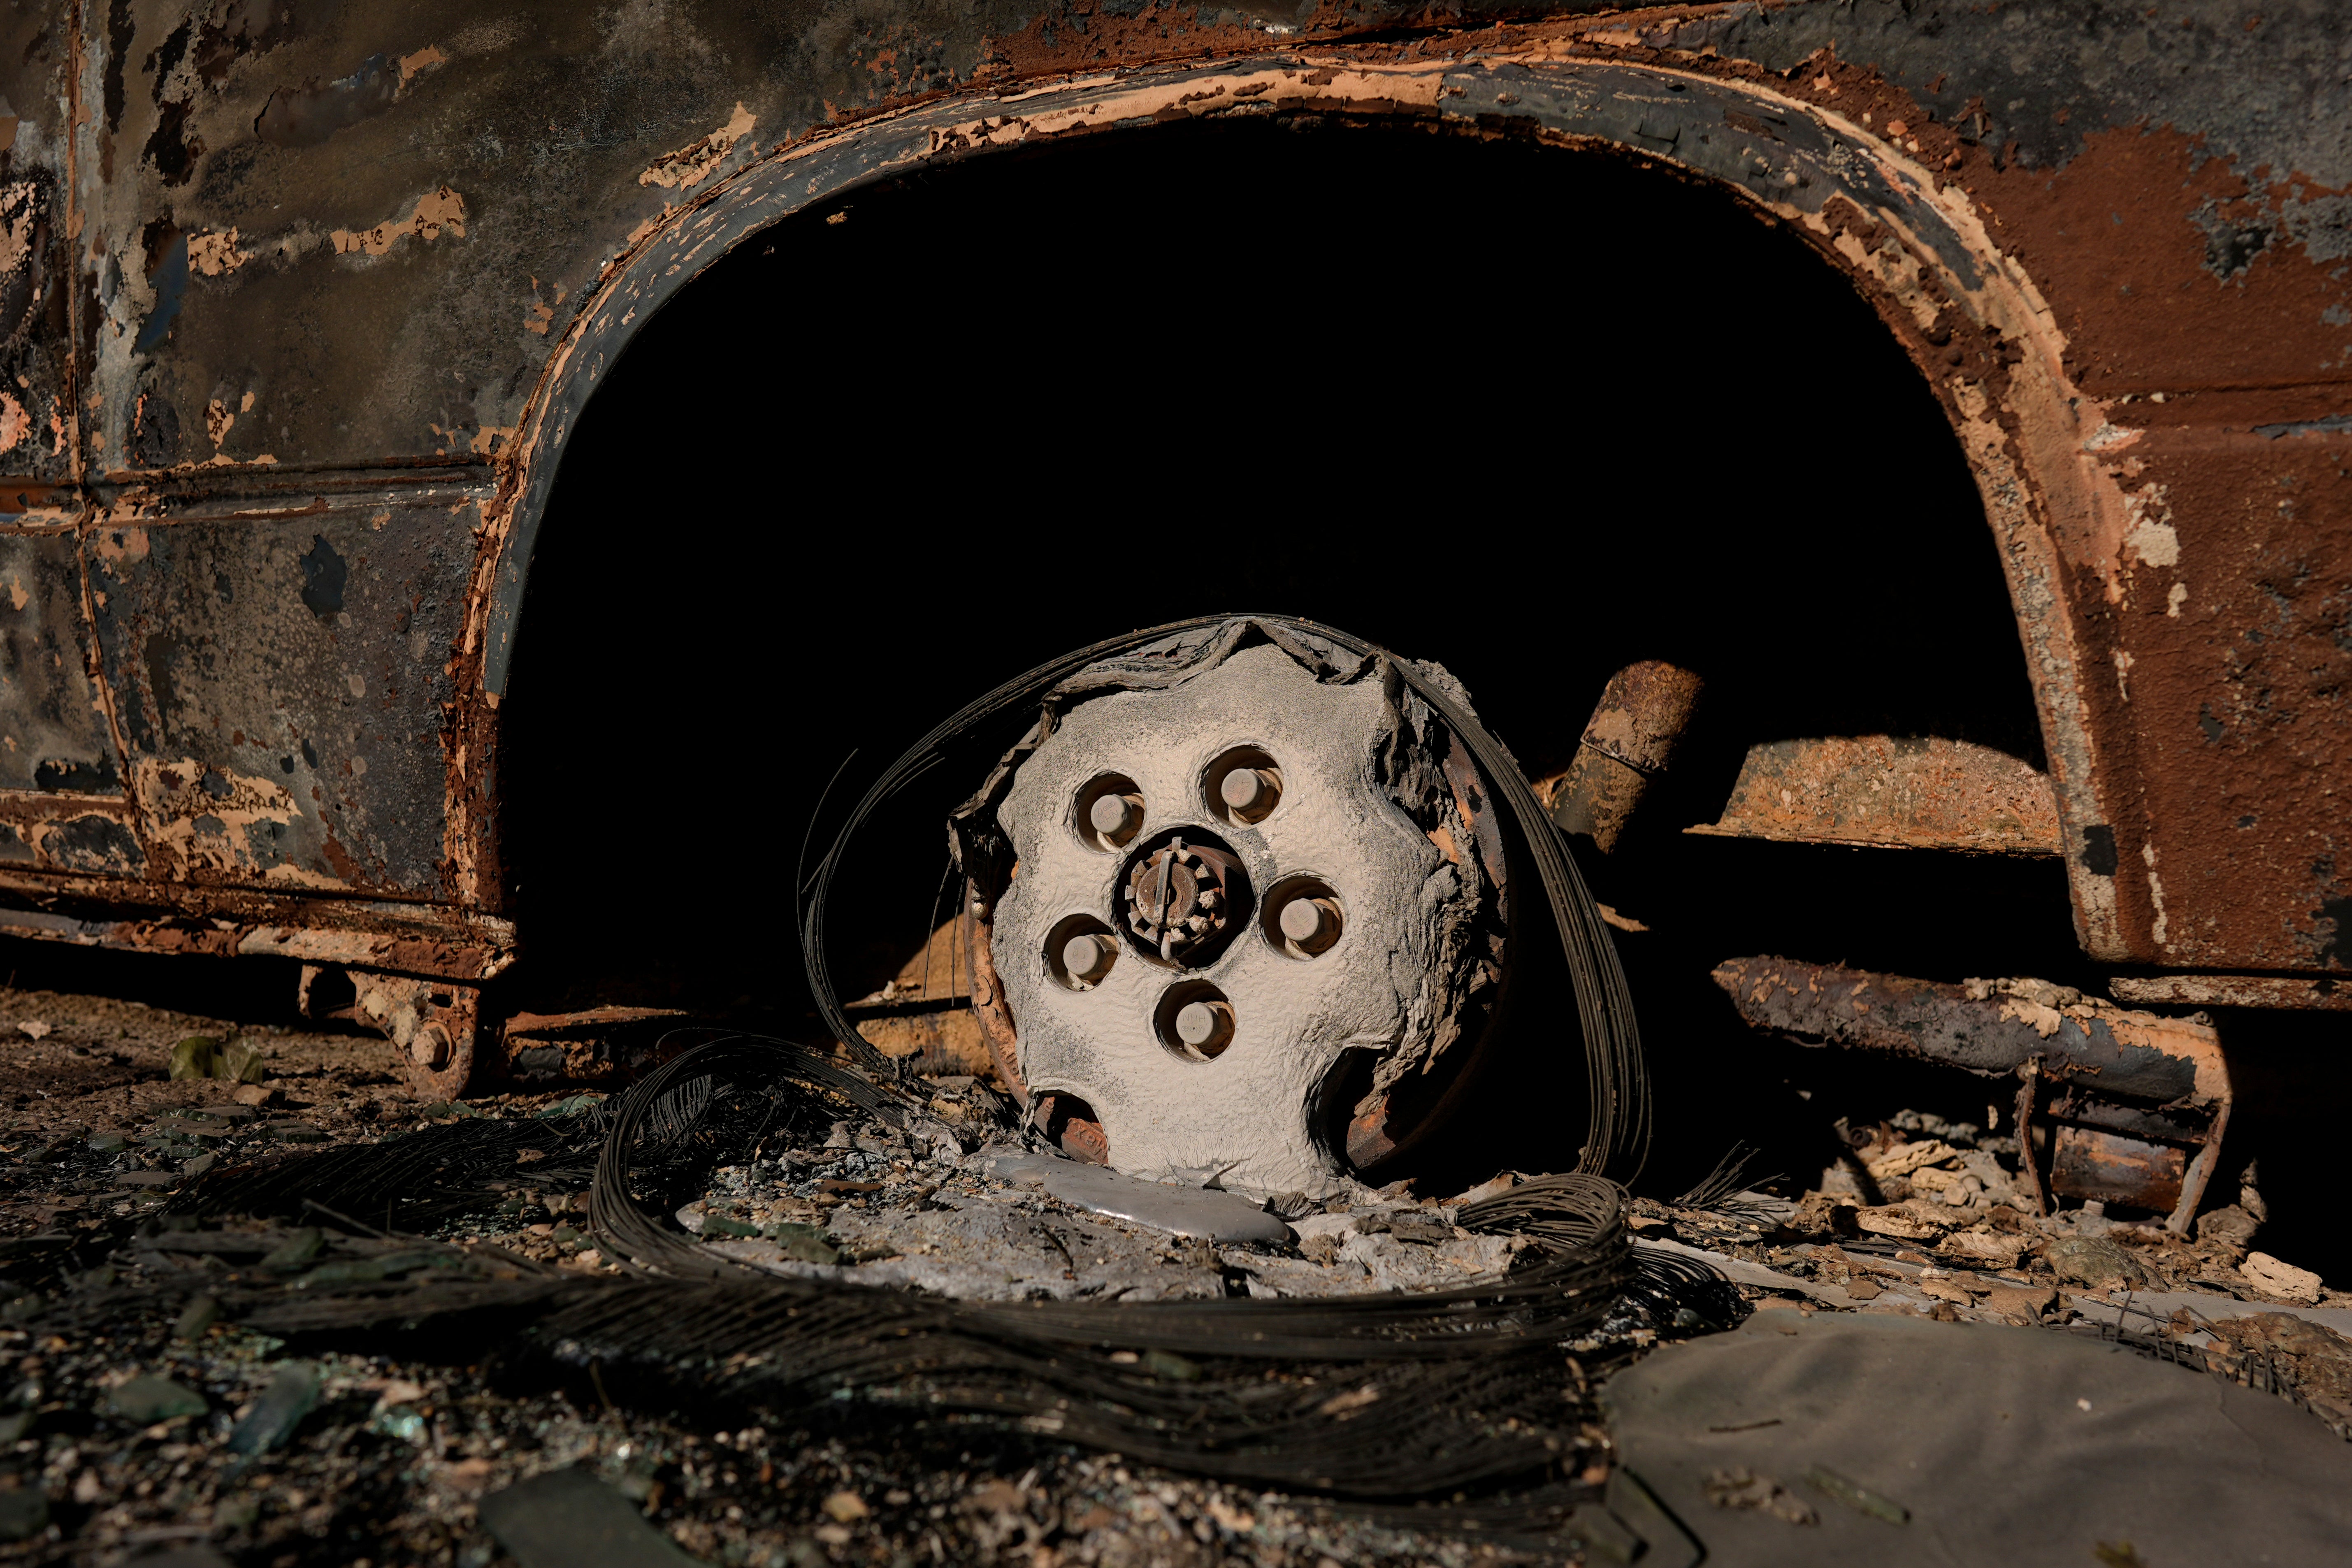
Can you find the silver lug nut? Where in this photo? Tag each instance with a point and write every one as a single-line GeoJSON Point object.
{"type": "Point", "coordinates": [1087, 956]}
{"type": "Point", "coordinates": [1111, 814]}
{"type": "Point", "coordinates": [1303, 920]}
{"type": "Point", "coordinates": [1242, 789]}
{"type": "Point", "coordinates": [1198, 1023]}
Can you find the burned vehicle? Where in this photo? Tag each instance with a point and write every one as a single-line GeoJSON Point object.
{"type": "Point", "coordinates": [306, 310]}
{"type": "Point", "coordinates": [1092, 734]}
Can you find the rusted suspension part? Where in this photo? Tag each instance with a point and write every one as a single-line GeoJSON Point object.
{"type": "Point", "coordinates": [436, 1023]}
{"type": "Point", "coordinates": [2123, 1106]}
{"type": "Point", "coordinates": [1628, 743]}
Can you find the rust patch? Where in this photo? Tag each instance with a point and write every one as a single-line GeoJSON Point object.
{"type": "Point", "coordinates": [1909, 792]}
{"type": "Point", "coordinates": [2235, 991]}
{"type": "Point", "coordinates": [214, 255]}
{"type": "Point", "coordinates": [437, 212]}
{"type": "Point", "coordinates": [207, 819]}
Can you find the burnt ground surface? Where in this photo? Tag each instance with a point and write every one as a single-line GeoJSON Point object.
{"type": "Point", "coordinates": [281, 1453]}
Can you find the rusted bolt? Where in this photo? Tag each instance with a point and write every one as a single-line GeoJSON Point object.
{"type": "Point", "coordinates": [1113, 815]}
{"type": "Point", "coordinates": [1184, 899]}
{"type": "Point", "coordinates": [1087, 956]}
{"type": "Point", "coordinates": [431, 1047]}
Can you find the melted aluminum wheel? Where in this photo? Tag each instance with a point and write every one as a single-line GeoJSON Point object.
{"type": "Point", "coordinates": [1255, 902]}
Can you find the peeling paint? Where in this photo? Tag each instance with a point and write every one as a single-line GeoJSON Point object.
{"type": "Point", "coordinates": [208, 816]}
{"type": "Point", "coordinates": [691, 164]}
{"type": "Point", "coordinates": [2152, 537]}
{"type": "Point", "coordinates": [211, 255]}
{"type": "Point", "coordinates": [436, 212]}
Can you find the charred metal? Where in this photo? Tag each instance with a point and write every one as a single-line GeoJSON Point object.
{"type": "Point", "coordinates": [285, 381]}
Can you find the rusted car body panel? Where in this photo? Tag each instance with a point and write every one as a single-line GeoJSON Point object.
{"type": "Point", "coordinates": [297, 308]}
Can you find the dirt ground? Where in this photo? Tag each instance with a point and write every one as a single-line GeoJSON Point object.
{"type": "Point", "coordinates": [251, 1451]}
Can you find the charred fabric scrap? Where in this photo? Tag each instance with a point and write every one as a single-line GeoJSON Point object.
{"type": "Point", "coordinates": [2120, 1106]}
{"type": "Point", "coordinates": [1298, 904]}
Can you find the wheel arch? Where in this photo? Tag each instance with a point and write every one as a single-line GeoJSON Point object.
{"type": "Point", "coordinates": [1968, 316]}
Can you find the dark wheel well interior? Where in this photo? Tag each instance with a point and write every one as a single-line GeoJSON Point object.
{"type": "Point", "coordinates": [1526, 412]}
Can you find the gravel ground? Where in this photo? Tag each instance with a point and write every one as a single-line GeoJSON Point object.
{"type": "Point", "coordinates": [160, 1433]}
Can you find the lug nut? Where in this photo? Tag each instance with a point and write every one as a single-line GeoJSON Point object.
{"type": "Point", "coordinates": [1242, 789]}
{"type": "Point", "coordinates": [1304, 920]}
{"type": "Point", "coordinates": [1200, 1024]}
{"type": "Point", "coordinates": [1111, 814]}
{"type": "Point", "coordinates": [1087, 956]}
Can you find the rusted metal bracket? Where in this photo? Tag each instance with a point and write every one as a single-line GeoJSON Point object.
{"type": "Point", "coordinates": [2331, 992]}
{"type": "Point", "coordinates": [1628, 741]}
{"type": "Point", "coordinates": [2128, 1108]}
{"type": "Point", "coordinates": [593, 1045]}
{"type": "Point", "coordinates": [1891, 791]}
{"type": "Point", "coordinates": [436, 1023]}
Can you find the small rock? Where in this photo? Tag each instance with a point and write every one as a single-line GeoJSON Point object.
{"type": "Point", "coordinates": [2021, 1301]}
{"type": "Point", "coordinates": [199, 1314]}
{"type": "Point", "coordinates": [2281, 1279]}
{"type": "Point", "coordinates": [34, 1029]}
{"type": "Point", "coordinates": [1170, 1367]}
{"type": "Point", "coordinates": [252, 1094]}
{"type": "Point", "coordinates": [145, 1400]}
{"type": "Point", "coordinates": [1906, 1221]}
{"type": "Point", "coordinates": [845, 1508]}
{"type": "Point", "coordinates": [1984, 1247]}
{"type": "Point", "coordinates": [2098, 1263]}
{"type": "Point", "coordinates": [2230, 1226]}
{"type": "Point", "coordinates": [196, 1057]}
{"type": "Point", "coordinates": [280, 1409]}
{"type": "Point", "coordinates": [108, 1143]}
{"type": "Point", "coordinates": [1742, 1487]}
{"type": "Point", "coordinates": [568, 1517]}
{"type": "Point", "coordinates": [1906, 1158]}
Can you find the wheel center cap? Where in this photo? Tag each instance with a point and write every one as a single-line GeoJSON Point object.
{"type": "Point", "coordinates": [1181, 898]}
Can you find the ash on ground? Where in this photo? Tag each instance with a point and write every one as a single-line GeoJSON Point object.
{"type": "Point", "coordinates": [180, 1433]}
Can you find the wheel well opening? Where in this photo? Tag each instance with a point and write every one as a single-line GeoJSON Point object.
{"type": "Point", "coordinates": [1528, 411]}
